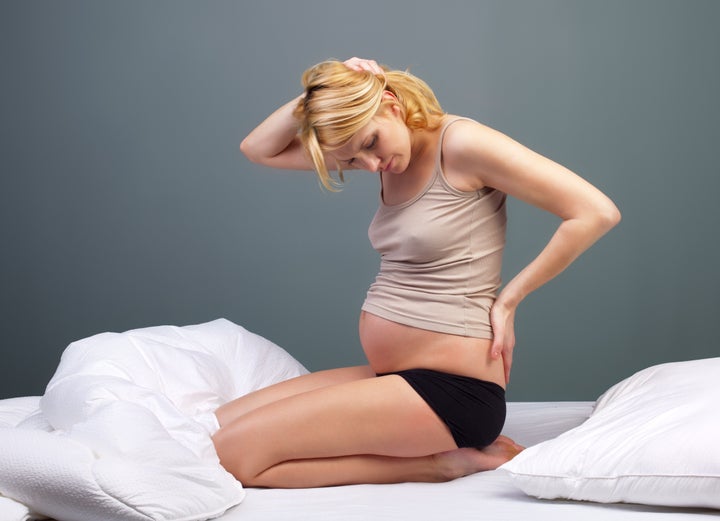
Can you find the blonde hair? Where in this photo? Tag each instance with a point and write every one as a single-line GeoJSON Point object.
{"type": "Point", "coordinates": [339, 101]}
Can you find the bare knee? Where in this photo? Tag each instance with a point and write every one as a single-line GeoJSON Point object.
{"type": "Point", "coordinates": [237, 455]}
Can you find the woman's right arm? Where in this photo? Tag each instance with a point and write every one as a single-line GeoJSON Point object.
{"type": "Point", "coordinates": [275, 141]}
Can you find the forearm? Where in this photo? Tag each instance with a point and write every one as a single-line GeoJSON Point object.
{"type": "Point", "coordinates": [571, 239]}
{"type": "Point", "coordinates": [273, 136]}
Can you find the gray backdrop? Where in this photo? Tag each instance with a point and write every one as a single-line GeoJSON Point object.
{"type": "Point", "coordinates": [126, 203]}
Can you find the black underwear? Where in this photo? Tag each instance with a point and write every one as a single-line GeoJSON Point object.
{"type": "Point", "coordinates": [474, 410]}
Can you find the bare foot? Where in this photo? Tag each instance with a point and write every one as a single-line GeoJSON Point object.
{"type": "Point", "coordinates": [461, 462]}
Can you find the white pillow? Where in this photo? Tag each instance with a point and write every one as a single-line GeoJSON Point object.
{"type": "Point", "coordinates": [124, 428]}
{"type": "Point", "coordinates": [14, 410]}
{"type": "Point", "coordinates": [653, 438]}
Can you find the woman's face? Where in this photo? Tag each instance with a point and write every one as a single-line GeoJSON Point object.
{"type": "Point", "coordinates": [383, 145]}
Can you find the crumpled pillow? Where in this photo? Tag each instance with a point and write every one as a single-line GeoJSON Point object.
{"type": "Point", "coordinates": [124, 427]}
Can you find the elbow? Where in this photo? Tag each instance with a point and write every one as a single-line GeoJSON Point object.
{"type": "Point", "coordinates": [246, 147]}
{"type": "Point", "coordinates": [612, 216]}
{"type": "Point", "coordinates": [608, 216]}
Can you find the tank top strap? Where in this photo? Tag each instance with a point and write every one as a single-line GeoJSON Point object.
{"type": "Point", "coordinates": [438, 155]}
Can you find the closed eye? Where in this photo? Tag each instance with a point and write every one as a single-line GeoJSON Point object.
{"type": "Point", "coordinates": [369, 146]}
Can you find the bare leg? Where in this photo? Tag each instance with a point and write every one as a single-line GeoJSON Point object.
{"type": "Point", "coordinates": [444, 466]}
{"type": "Point", "coordinates": [301, 384]}
{"type": "Point", "coordinates": [375, 430]}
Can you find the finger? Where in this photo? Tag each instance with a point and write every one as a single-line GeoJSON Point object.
{"type": "Point", "coordinates": [496, 348]}
{"type": "Point", "coordinates": [352, 63]}
{"type": "Point", "coordinates": [375, 68]}
{"type": "Point", "coordinates": [498, 342]}
{"type": "Point", "coordinates": [507, 364]}
{"type": "Point", "coordinates": [360, 65]}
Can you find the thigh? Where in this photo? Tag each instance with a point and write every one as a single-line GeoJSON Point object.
{"type": "Point", "coordinates": [298, 385]}
{"type": "Point", "coordinates": [380, 416]}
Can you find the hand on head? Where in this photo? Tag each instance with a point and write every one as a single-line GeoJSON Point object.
{"type": "Point", "coordinates": [360, 64]}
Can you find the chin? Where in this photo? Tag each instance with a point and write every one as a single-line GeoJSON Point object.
{"type": "Point", "coordinates": [397, 167]}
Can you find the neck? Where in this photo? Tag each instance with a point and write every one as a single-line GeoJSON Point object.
{"type": "Point", "coordinates": [422, 142]}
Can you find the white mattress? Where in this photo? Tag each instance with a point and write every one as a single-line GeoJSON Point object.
{"type": "Point", "coordinates": [484, 496]}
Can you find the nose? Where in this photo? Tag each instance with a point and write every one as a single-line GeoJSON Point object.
{"type": "Point", "coordinates": [373, 163]}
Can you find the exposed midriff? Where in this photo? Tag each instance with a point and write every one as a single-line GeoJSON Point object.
{"type": "Point", "coordinates": [390, 346]}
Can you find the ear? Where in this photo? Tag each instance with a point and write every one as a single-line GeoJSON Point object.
{"type": "Point", "coordinates": [391, 103]}
{"type": "Point", "coordinates": [389, 96]}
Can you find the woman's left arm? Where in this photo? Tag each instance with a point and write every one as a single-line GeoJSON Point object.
{"type": "Point", "coordinates": [485, 157]}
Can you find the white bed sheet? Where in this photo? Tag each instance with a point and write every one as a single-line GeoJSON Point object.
{"type": "Point", "coordinates": [485, 496]}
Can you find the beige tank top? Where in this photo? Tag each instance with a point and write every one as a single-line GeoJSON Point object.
{"type": "Point", "coordinates": [441, 256]}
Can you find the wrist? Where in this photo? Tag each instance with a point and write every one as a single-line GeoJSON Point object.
{"type": "Point", "coordinates": [508, 299]}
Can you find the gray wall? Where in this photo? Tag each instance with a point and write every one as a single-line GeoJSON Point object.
{"type": "Point", "coordinates": [126, 203]}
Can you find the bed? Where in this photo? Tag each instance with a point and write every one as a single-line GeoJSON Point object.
{"type": "Point", "coordinates": [484, 496]}
{"type": "Point", "coordinates": [61, 456]}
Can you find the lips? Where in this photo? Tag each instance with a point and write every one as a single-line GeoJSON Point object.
{"type": "Point", "coordinates": [386, 168]}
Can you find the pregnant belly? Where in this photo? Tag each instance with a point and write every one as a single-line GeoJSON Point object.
{"type": "Point", "coordinates": [391, 347]}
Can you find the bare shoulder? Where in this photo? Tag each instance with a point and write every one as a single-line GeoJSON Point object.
{"type": "Point", "coordinates": [470, 149]}
{"type": "Point", "coordinates": [475, 156]}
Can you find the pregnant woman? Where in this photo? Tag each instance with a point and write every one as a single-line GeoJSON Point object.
{"type": "Point", "coordinates": [436, 327]}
